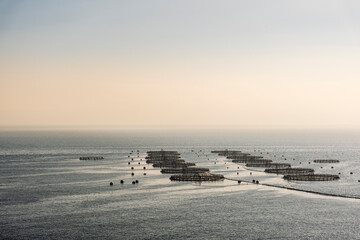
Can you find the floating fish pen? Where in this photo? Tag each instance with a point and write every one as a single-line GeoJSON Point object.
{"type": "Point", "coordinates": [312, 177]}
{"type": "Point", "coordinates": [290, 170]}
{"type": "Point", "coordinates": [162, 152]}
{"type": "Point", "coordinates": [252, 161]}
{"type": "Point", "coordinates": [202, 177]}
{"type": "Point", "coordinates": [184, 170]}
{"type": "Point", "coordinates": [163, 157]}
{"type": "Point", "coordinates": [227, 152]}
{"type": "Point", "coordinates": [161, 161]}
{"type": "Point", "coordinates": [173, 165]}
{"type": "Point", "coordinates": [244, 157]}
{"type": "Point", "coordinates": [326, 161]}
{"type": "Point", "coordinates": [269, 165]}
{"type": "Point", "coordinates": [91, 158]}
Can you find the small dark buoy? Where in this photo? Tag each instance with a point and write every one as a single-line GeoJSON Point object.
{"type": "Point", "coordinates": [351, 172]}
{"type": "Point", "coordinates": [144, 173]}
{"type": "Point", "coordinates": [139, 163]}
{"type": "Point", "coordinates": [320, 167]}
{"type": "Point", "coordinates": [132, 167]}
{"type": "Point", "coordinates": [144, 167]}
{"type": "Point", "coordinates": [128, 155]}
{"type": "Point", "coordinates": [257, 182]}
{"type": "Point", "coordinates": [253, 181]}
{"type": "Point", "coordinates": [309, 162]}
{"type": "Point", "coordinates": [299, 162]}
{"type": "Point", "coordinates": [358, 180]}
{"type": "Point", "coordinates": [137, 181]}
{"type": "Point", "coordinates": [332, 167]}
{"type": "Point", "coordinates": [227, 167]}
{"type": "Point", "coordinates": [214, 162]}
{"type": "Point", "coordinates": [238, 167]}
{"type": "Point", "coordinates": [239, 182]}
{"type": "Point", "coordinates": [339, 173]}
{"type": "Point", "coordinates": [132, 174]}
{"type": "Point", "coordinates": [121, 181]}
{"type": "Point", "coordinates": [132, 159]}
{"type": "Point", "coordinates": [293, 158]}
{"type": "Point", "coordinates": [129, 163]}
{"type": "Point", "coordinates": [250, 173]}
{"type": "Point", "coordinates": [133, 182]}
{"type": "Point", "coordinates": [237, 173]}
{"type": "Point", "coordinates": [111, 183]}
{"type": "Point", "coordinates": [284, 158]}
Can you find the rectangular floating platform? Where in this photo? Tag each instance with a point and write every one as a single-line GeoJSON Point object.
{"type": "Point", "coordinates": [312, 177]}
{"type": "Point", "coordinates": [91, 158]}
{"type": "Point", "coordinates": [289, 171]}
{"type": "Point", "coordinates": [203, 177]}
{"type": "Point", "coordinates": [326, 161]}
{"type": "Point", "coordinates": [185, 170]}
{"type": "Point", "coordinates": [269, 165]}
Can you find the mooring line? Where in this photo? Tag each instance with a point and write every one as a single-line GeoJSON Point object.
{"type": "Point", "coordinates": [296, 189]}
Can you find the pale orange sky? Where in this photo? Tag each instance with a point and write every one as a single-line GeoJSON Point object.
{"type": "Point", "coordinates": [123, 65]}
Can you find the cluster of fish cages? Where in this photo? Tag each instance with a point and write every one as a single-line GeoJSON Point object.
{"type": "Point", "coordinates": [326, 161]}
{"type": "Point", "coordinates": [312, 177]}
{"type": "Point", "coordinates": [290, 171]}
{"type": "Point", "coordinates": [198, 177]}
{"type": "Point", "coordinates": [269, 165]}
{"type": "Point", "coordinates": [91, 158]}
{"type": "Point", "coordinates": [170, 162]}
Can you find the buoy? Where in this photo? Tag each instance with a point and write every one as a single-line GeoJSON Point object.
{"type": "Point", "coordinates": [339, 173]}
{"type": "Point", "coordinates": [250, 173]}
{"type": "Point", "coordinates": [132, 167]}
{"type": "Point", "coordinates": [284, 158]}
{"type": "Point", "coordinates": [121, 181]}
{"type": "Point", "coordinates": [129, 156]}
{"type": "Point", "coordinates": [137, 181]}
{"type": "Point", "coordinates": [237, 173]}
{"type": "Point", "coordinates": [111, 183]}
{"type": "Point", "coordinates": [309, 162]}
{"type": "Point", "coordinates": [332, 167]}
{"type": "Point", "coordinates": [144, 173]}
{"type": "Point", "coordinates": [133, 182]}
{"type": "Point", "coordinates": [239, 182]}
{"type": "Point", "coordinates": [257, 182]}
{"type": "Point", "coordinates": [351, 172]}
{"type": "Point", "coordinates": [238, 167]}
{"type": "Point", "coordinates": [129, 163]}
{"type": "Point", "coordinates": [253, 181]}
{"type": "Point", "coordinates": [144, 167]}
{"type": "Point", "coordinates": [139, 163]}
{"type": "Point", "coordinates": [132, 174]}
{"type": "Point", "coordinates": [227, 167]}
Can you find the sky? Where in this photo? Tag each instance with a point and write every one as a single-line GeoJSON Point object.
{"type": "Point", "coordinates": [253, 64]}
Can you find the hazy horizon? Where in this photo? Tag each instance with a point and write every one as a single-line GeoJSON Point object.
{"type": "Point", "coordinates": [179, 64]}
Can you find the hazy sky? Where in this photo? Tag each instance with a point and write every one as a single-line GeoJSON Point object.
{"type": "Point", "coordinates": [221, 64]}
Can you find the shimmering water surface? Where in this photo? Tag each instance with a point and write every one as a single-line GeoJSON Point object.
{"type": "Point", "coordinates": [47, 192]}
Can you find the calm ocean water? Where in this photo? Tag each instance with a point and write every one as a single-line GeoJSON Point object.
{"type": "Point", "coordinates": [46, 192]}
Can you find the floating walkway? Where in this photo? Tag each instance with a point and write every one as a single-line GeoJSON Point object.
{"type": "Point", "coordinates": [186, 170]}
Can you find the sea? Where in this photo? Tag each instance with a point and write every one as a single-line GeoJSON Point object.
{"type": "Point", "coordinates": [46, 192]}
